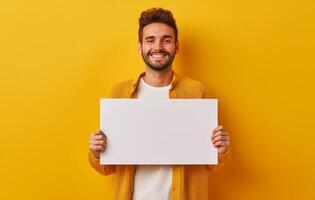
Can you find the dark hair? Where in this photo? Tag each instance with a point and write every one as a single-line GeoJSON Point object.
{"type": "Point", "coordinates": [157, 15]}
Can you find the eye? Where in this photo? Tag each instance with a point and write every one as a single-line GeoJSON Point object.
{"type": "Point", "coordinates": [150, 41]}
{"type": "Point", "coordinates": [167, 41]}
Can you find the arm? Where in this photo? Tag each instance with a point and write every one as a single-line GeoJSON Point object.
{"type": "Point", "coordinates": [221, 140]}
{"type": "Point", "coordinates": [222, 143]}
{"type": "Point", "coordinates": [98, 145]}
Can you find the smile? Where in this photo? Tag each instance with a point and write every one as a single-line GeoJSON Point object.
{"type": "Point", "coordinates": [158, 55]}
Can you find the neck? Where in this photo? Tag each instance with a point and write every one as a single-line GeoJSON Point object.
{"type": "Point", "coordinates": [158, 78]}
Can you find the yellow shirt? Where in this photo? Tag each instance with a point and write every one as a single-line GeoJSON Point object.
{"type": "Point", "coordinates": [189, 182]}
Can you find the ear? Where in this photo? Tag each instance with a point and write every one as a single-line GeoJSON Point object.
{"type": "Point", "coordinates": [176, 47]}
{"type": "Point", "coordinates": [139, 47]}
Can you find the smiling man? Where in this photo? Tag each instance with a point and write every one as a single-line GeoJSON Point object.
{"type": "Point", "coordinates": [158, 45]}
{"type": "Point", "coordinates": [161, 57]}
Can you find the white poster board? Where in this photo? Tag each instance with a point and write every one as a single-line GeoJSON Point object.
{"type": "Point", "coordinates": [172, 131]}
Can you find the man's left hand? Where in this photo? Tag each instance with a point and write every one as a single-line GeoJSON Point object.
{"type": "Point", "coordinates": [220, 139]}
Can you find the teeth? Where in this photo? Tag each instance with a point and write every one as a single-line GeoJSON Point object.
{"type": "Point", "coordinates": [157, 55]}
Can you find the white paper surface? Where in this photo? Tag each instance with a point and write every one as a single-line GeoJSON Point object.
{"type": "Point", "coordinates": [173, 131]}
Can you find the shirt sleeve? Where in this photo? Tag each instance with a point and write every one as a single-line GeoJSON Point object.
{"type": "Point", "coordinates": [102, 169]}
{"type": "Point", "coordinates": [223, 158]}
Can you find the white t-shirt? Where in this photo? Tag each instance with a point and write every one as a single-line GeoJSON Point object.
{"type": "Point", "coordinates": [152, 182]}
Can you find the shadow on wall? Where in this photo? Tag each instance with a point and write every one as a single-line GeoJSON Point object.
{"type": "Point", "coordinates": [201, 61]}
{"type": "Point", "coordinates": [198, 56]}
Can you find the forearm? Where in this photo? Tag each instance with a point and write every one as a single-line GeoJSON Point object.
{"type": "Point", "coordinates": [222, 159]}
{"type": "Point", "coordinates": [102, 169]}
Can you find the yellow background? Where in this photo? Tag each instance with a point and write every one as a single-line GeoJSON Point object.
{"type": "Point", "coordinates": [57, 58]}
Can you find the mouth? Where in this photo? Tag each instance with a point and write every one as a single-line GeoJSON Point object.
{"type": "Point", "coordinates": [158, 55]}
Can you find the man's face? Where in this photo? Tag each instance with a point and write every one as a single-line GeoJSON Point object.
{"type": "Point", "coordinates": [158, 46]}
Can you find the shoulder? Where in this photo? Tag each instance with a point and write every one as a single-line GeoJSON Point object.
{"type": "Point", "coordinates": [190, 83]}
{"type": "Point", "coordinates": [122, 89]}
{"type": "Point", "coordinates": [191, 88]}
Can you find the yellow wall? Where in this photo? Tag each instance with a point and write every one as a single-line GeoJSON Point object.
{"type": "Point", "coordinates": [57, 58]}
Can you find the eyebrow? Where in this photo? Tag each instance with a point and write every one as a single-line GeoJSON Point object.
{"type": "Point", "coordinates": [164, 36]}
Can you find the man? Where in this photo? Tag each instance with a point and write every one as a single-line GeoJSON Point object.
{"type": "Point", "coordinates": [158, 45]}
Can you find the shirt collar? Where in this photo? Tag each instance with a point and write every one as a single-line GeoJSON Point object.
{"type": "Point", "coordinates": [136, 80]}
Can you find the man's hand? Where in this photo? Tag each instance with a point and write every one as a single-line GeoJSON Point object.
{"type": "Point", "coordinates": [97, 143]}
{"type": "Point", "coordinates": [220, 139]}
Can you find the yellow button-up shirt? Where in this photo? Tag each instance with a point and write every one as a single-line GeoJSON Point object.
{"type": "Point", "coordinates": [189, 182]}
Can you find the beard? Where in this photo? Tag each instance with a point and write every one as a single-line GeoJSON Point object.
{"type": "Point", "coordinates": [158, 65]}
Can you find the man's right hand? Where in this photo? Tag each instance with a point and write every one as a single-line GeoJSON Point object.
{"type": "Point", "coordinates": [97, 143]}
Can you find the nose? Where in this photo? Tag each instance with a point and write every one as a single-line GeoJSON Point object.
{"type": "Point", "coordinates": [158, 44]}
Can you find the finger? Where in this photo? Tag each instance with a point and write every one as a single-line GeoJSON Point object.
{"type": "Point", "coordinates": [96, 148]}
{"type": "Point", "coordinates": [98, 142]}
{"type": "Point", "coordinates": [218, 128]}
{"type": "Point", "coordinates": [220, 138]}
{"type": "Point", "coordinates": [101, 148]}
{"type": "Point", "coordinates": [221, 144]}
{"type": "Point", "coordinates": [98, 137]}
{"type": "Point", "coordinates": [218, 133]}
{"type": "Point", "coordinates": [95, 133]}
{"type": "Point", "coordinates": [99, 132]}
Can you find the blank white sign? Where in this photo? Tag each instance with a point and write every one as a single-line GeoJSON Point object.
{"type": "Point", "coordinates": [170, 132]}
